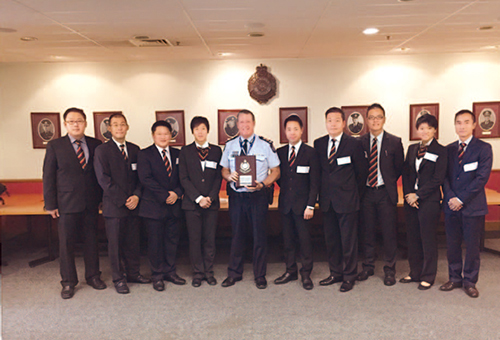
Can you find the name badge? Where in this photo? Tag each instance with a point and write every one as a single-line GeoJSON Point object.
{"type": "Point", "coordinates": [470, 166]}
{"type": "Point", "coordinates": [134, 166]}
{"type": "Point", "coordinates": [302, 169]}
{"type": "Point", "coordinates": [234, 154]}
{"type": "Point", "coordinates": [177, 161]}
{"type": "Point", "coordinates": [431, 157]}
{"type": "Point", "coordinates": [344, 160]}
{"type": "Point", "coordinates": [210, 165]}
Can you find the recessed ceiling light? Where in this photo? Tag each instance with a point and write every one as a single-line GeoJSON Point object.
{"type": "Point", "coordinates": [404, 49]}
{"type": "Point", "coordinates": [7, 30]}
{"type": "Point", "coordinates": [491, 47]}
{"type": "Point", "coordinates": [485, 28]}
{"type": "Point", "coordinates": [371, 30]}
{"type": "Point", "coordinates": [224, 54]}
{"type": "Point", "coordinates": [255, 34]}
{"type": "Point", "coordinates": [29, 38]}
{"type": "Point", "coordinates": [141, 37]}
{"type": "Point", "coordinates": [404, 0]}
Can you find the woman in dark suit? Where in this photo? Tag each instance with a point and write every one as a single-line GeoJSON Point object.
{"type": "Point", "coordinates": [200, 176]}
{"type": "Point", "coordinates": [424, 171]}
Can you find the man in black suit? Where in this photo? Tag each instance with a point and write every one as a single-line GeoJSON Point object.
{"type": "Point", "coordinates": [343, 177]}
{"type": "Point", "coordinates": [158, 169]}
{"type": "Point", "coordinates": [115, 165]}
{"type": "Point", "coordinates": [299, 186]}
{"type": "Point", "coordinates": [385, 156]}
{"type": "Point", "coordinates": [200, 176]}
{"type": "Point", "coordinates": [71, 192]}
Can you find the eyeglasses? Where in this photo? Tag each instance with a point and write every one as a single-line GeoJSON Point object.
{"type": "Point", "coordinates": [119, 125]}
{"type": "Point", "coordinates": [375, 117]}
{"type": "Point", "coordinates": [73, 122]}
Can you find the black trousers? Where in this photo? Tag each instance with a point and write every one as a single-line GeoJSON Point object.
{"type": "Point", "coordinates": [295, 232]}
{"type": "Point", "coordinates": [421, 229]}
{"type": "Point", "coordinates": [69, 225]}
{"type": "Point", "coordinates": [201, 226]}
{"type": "Point", "coordinates": [377, 209]}
{"type": "Point", "coordinates": [123, 246]}
{"type": "Point", "coordinates": [341, 236]}
{"type": "Point", "coordinates": [467, 229]}
{"type": "Point", "coordinates": [248, 209]}
{"type": "Point", "coordinates": [163, 239]}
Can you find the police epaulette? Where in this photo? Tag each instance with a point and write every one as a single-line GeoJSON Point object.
{"type": "Point", "coordinates": [230, 139]}
{"type": "Point", "coordinates": [269, 141]}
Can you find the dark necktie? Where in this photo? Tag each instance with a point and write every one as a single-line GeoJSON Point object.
{"type": "Point", "coordinates": [373, 171]}
{"type": "Point", "coordinates": [421, 151]}
{"type": "Point", "coordinates": [124, 154]}
{"type": "Point", "coordinates": [166, 162]}
{"type": "Point", "coordinates": [461, 152]}
{"type": "Point", "coordinates": [291, 160]}
{"type": "Point", "coordinates": [203, 153]}
{"type": "Point", "coordinates": [244, 148]}
{"type": "Point", "coordinates": [80, 154]}
{"type": "Point", "coordinates": [332, 152]}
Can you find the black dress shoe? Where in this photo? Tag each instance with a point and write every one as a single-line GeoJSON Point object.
{"type": "Point", "coordinates": [67, 292]}
{"type": "Point", "coordinates": [196, 282]}
{"type": "Point", "coordinates": [330, 280]}
{"type": "Point", "coordinates": [158, 285]}
{"type": "Point", "coordinates": [230, 281]}
{"type": "Point", "coordinates": [472, 292]}
{"type": "Point", "coordinates": [450, 285]}
{"type": "Point", "coordinates": [389, 280]}
{"type": "Point", "coordinates": [211, 280]}
{"type": "Point", "coordinates": [175, 279]}
{"type": "Point", "coordinates": [346, 286]}
{"type": "Point", "coordinates": [138, 279]}
{"type": "Point", "coordinates": [424, 287]}
{"type": "Point", "coordinates": [365, 274]}
{"type": "Point", "coordinates": [121, 287]}
{"type": "Point", "coordinates": [307, 283]}
{"type": "Point", "coordinates": [96, 283]}
{"type": "Point", "coordinates": [285, 278]}
{"type": "Point", "coordinates": [406, 280]}
{"type": "Point", "coordinates": [261, 282]}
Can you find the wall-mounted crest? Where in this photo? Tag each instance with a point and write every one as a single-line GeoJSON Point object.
{"type": "Point", "coordinates": [262, 85]}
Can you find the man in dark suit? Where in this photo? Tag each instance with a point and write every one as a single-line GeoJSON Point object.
{"type": "Point", "coordinates": [115, 165]}
{"type": "Point", "coordinates": [343, 177]}
{"type": "Point", "coordinates": [200, 176]}
{"type": "Point", "coordinates": [158, 169]}
{"type": "Point", "coordinates": [71, 192]}
{"type": "Point", "coordinates": [469, 166]}
{"type": "Point", "coordinates": [299, 186]}
{"type": "Point", "coordinates": [385, 156]}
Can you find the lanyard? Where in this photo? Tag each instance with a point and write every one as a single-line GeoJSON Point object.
{"type": "Point", "coordinates": [250, 144]}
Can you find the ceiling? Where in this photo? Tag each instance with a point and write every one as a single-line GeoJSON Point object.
{"type": "Point", "coordinates": [101, 30]}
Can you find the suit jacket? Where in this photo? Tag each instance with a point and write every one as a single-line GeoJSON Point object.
{"type": "Point", "coordinates": [118, 178]}
{"type": "Point", "coordinates": [66, 186]}
{"type": "Point", "coordinates": [156, 183]}
{"type": "Point", "coordinates": [391, 161]}
{"type": "Point", "coordinates": [431, 172]}
{"type": "Point", "coordinates": [197, 182]}
{"type": "Point", "coordinates": [299, 184]}
{"type": "Point", "coordinates": [466, 181]}
{"type": "Point", "coordinates": [342, 184]}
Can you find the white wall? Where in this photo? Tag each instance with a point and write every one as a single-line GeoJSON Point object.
{"type": "Point", "coordinates": [200, 88]}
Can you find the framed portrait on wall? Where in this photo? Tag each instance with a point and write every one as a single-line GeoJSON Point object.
{"type": "Point", "coordinates": [355, 120]}
{"type": "Point", "coordinates": [417, 111]}
{"type": "Point", "coordinates": [285, 112]}
{"type": "Point", "coordinates": [487, 125]}
{"type": "Point", "coordinates": [45, 126]}
{"type": "Point", "coordinates": [176, 120]}
{"type": "Point", "coordinates": [226, 123]}
{"type": "Point", "coordinates": [101, 123]}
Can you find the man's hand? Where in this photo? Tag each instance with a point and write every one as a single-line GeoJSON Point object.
{"type": "Point", "coordinates": [205, 202]}
{"type": "Point", "coordinates": [308, 214]}
{"type": "Point", "coordinates": [54, 213]}
{"type": "Point", "coordinates": [132, 202]}
{"type": "Point", "coordinates": [234, 176]}
{"type": "Point", "coordinates": [172, 198]}
{"type": "Point", "coordinates": [455, 204]}
{"type": "Point", "coordinates": [257, 187]}
{"type": "Point", "coordinates": [411, 199]}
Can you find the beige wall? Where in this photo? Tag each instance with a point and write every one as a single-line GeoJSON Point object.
{"type": "Point", "coordinates": [200, 88]}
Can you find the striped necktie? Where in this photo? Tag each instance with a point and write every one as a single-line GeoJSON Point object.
{"type": "Point", "coordinates": [461, 152]}
{"type": "Point", "coordinates": [332, 152]}
{"type": "Point", "coordinates": [373, 170]}
{"type": "Point", "coordinates": [80, 154]}
{"type": "Point", "coordinates": [291, 160]}
{"type": "Point", "coordinates": [244, 148]}
{"type": "Point", "coordinates": [203, 153]}
{"type": "Point", "coordinates": [166, 162]}
{"type": "Point", "coordinates": [124, 154]}
{"type": "Point", "coordinates": [421, 151]}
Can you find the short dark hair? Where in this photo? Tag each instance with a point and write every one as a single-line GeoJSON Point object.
{"type": "Point", "coordinates": [375, 106]}
{"type": "Point", "coordinates": [335, 109]}
{"type": "Point", "coordinates": [161, 123]}
{"type": "Point", "coordinates": [463, 112]}
{"type": "Point", "coordinates": [429, 120]}
{"type": "Point", "coordinates": [117, 115]}
{"type": "Point", "coordinates": [74, 109]}
{"type": "Point", "coordinates": [245, 112]}
{"type": "Point", "coordinates": [197, 121]}
{"type": "Point", "coordinates": [293, 118]}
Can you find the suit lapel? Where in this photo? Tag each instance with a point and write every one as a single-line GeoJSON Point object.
{"type": "Point", "coordinates": [196, 159]}
{"type": "Point", "coordinates": [469, 150]}
{"type": "Point", "coordinates": [71, 151]}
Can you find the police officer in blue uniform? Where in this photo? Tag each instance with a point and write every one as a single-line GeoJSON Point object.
{"type": "Point", "coordinates": [249, 204]}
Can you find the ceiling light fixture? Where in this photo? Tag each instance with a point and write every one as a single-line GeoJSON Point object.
{"type": "Point", "coordinates": [224, 54]}
{"type": "Point", "coordinates": [485, 28]}
{"type": "Point", "coordinates": [491, 47]}
{"type": "Point", "coordinates": [255, 34]}
{"type": "Point", "coordinates": [404, 0]}
{"type": "Point", "coordinates": [371, 30]}
{"type": "Point", "coordinates": [29, 38]}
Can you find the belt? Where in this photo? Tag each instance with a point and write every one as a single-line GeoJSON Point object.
{"type": "Point", "coordinates": [376, 188]}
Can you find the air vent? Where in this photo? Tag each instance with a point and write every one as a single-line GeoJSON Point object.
{"type": "Point", "coordinates": [151, 42]}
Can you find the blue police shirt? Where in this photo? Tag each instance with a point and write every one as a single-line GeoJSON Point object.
{"type": "Point", "coordinates": [265, 155]}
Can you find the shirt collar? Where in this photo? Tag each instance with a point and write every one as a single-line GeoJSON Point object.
{"type": "Point", "coordinates": [119, 145]}
{"type": "Point", "coordinates": [379, 137]}
{"type": "Point", "coordinates": [161, 149]}
{"type": "Point", "coordinates": [428, 143]}
{"type": "Point", "coordinates": [205, 145]}
{"type": "Point", "coordinates": [466, 142]}
{"type": "Point", "coordinates": [73, 139]}
{"type": "Point", "coordinates": [297, 146]}
{"type": "Point", "coordinates": [338, 138]}
{"type": "Point", "coordinates": [251, 138]}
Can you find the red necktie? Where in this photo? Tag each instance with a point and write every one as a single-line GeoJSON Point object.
{"type": "Point", "coordinates": [80, 154]}
{"type": "Point", "coordinates": [167, 162]}
{"type": "Point", "coordinates": [291, 160]}
{"type": "Point", "coordinates": [421, 151]}
{"type": "Point", "coordinates": [124, 154]}
{"type": "Point", "coordinates": [332, 152]}
{"type": "Point", "coordinates": [373, 171]}
{"type": "Point", "coordinates": [461, 152]}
